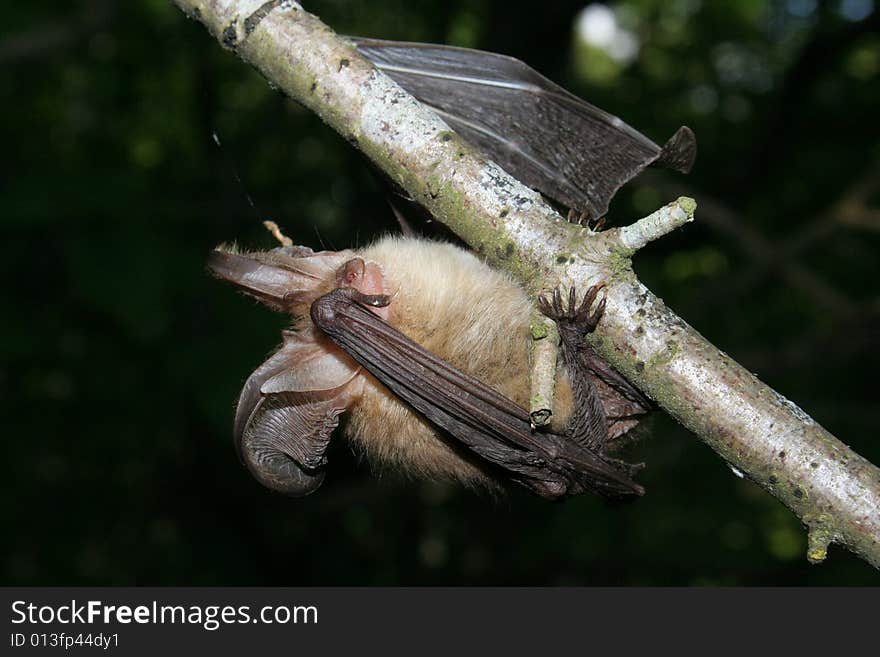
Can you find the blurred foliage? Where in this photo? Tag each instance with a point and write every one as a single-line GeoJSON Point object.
{"type": "Point", "coordinates": [121, 359]}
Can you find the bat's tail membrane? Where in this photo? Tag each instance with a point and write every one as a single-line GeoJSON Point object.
{"type": "Point", "coordinates": [679, 152]}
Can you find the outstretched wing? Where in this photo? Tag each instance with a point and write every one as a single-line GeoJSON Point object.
{"type": "Point", "coordinates": [548, 138]}
{"type": "Point", "coordinates": [483, 420]}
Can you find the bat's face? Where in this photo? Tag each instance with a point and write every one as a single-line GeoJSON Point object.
{"type": "Point", "coordinates": [367, 278]}
{"type": "Point", "coordinates": [290, 404]}
{"type": "Point", "coordinates": [288, 279]}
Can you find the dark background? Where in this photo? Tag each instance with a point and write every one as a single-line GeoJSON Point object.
{"type": "Point", "coordinates": [121, 358]}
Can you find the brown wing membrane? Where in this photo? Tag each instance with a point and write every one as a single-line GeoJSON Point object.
{"type": "Point", "coordinates": [483, 420]}
{"type": "Point", "coordinates": [550, 139]}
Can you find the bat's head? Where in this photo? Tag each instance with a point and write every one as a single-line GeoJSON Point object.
{"type": "Point", "coordinates": [285, 279]}
{"type": "Point", "coordinates": [290, 278]}
{"type": "Point", "coordinates": [288, 405]}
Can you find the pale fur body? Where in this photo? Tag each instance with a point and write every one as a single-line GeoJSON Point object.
{"type": "Point", "coordinates": [471, 315]}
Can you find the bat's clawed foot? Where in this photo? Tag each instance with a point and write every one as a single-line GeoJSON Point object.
{"type": "Point", "coordinates": [579, 218]}
{"type": "Point", "coordinates": [585, 219]}
{"type": "Point", "coordinates": [574, 316]}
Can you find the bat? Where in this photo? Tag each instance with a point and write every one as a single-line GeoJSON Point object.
{"type": "Point", "coordinates": [551, 140]}
{"type": "Point", "coordinates": [424, 349]}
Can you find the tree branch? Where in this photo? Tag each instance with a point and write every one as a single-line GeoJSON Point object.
{"type": "Point", "coordinates": [760, 433]}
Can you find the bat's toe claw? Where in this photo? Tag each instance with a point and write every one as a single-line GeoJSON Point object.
{"type": "Point", "coordinates": [582, 218]}
{"type": "Point", "coordinates": [583, 315]}
{"type": "Point", "coordinates": [557, 303]}
{"type": "Point", "coordinates": [544, 305]}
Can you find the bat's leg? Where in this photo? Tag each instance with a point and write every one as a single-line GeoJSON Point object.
{"type": "Point", "coordinates": [624, 403]}
{"type": "Point", "coordinates": [578, 323]}
{"type": "Point", "coordinates": [636, 403]}
{"type": "Point", "coordinates": [588, 424]}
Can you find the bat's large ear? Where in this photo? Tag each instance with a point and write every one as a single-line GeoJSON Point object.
{"type": "Point", "coordinates": [289, 407]}
{"type": "Point", "coordinates": [277, 278]}
{"type": "Point", "coordinates": [315, 371]}
{"type": "Point", "coordinates": [286, 437]}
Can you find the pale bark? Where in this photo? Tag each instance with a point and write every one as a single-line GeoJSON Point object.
{"type": "Point", "coordinates": [757, 431]}
{"type": "Point", "coordinates": [544, 354]}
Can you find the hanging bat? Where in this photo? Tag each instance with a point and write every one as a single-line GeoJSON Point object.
{"type": "Point", "coordinates": [424, 348]}
{"type": "Point", "coordinates": [548, 138]}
